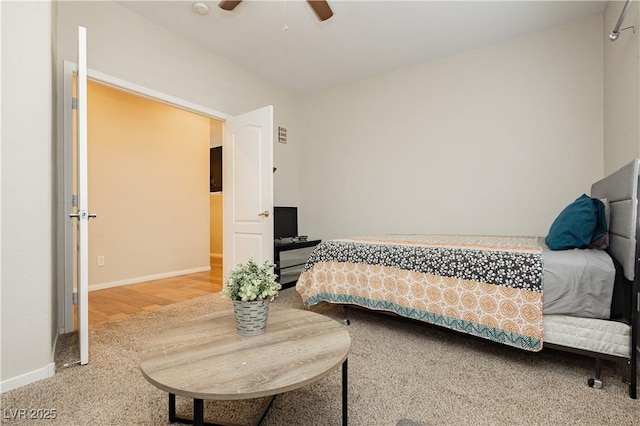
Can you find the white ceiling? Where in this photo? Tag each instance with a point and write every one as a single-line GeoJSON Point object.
{"type": "Point", "coordinates": [362, 39]}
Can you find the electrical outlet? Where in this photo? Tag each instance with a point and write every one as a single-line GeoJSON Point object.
{"type": "Point", "coordinates": [100, 260]}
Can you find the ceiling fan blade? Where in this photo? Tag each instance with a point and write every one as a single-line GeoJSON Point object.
{"type": "Point", "coordinates": [228, 4]}
{"type": "Point", "coordinates": [321, 8]}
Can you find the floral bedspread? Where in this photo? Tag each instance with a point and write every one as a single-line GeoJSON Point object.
{"type": "Point", "coordinates": [487, 286]}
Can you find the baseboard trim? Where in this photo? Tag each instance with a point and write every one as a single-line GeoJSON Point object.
{"type": "Point", "coordinates": [24, 379]}
{"type": "Point", "coordinates": [147, 278]}
{"type": "Point", "coordinates": [54, 347]}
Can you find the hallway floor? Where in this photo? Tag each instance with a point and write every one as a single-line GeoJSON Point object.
{"type": "Point", "coordinates": [118, 302]}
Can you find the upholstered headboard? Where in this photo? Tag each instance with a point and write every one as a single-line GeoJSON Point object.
{"type": "Point", "coordinates": [621, 189]}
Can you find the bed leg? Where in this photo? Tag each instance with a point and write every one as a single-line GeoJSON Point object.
{"type": "Point", "coordinates": [626, 372]}
{"type": "Point", "coordinates": [596, 382]}
{"type": "Point", "coordinates": [345, 319]}
{"type": "Point", "coordinates": [630, 378]}
{"type": "Point", "coordinates": [633, 371]}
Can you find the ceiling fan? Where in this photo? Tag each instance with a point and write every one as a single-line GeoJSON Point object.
{"type": "Point", "coordinates": [320, 7]}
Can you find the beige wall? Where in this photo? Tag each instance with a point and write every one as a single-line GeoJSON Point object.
{"type": "Point", "coordinates": [216, 132]}
{"type": "Point", "coordinates": [215, 200]}
{"type": "Point", "coordinates": [148, 183]}
{"type": "Point", "coordinates": [621, 87]}
{"type": "Point", "coordinates": [492, 141]}
{"type": "Point", "coordinates": [215, 224]}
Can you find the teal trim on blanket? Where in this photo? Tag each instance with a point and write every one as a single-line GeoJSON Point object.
{"type": "Point", "coordinates": [479, 330]}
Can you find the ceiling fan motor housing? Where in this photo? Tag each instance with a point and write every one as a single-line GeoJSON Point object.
{"type": "Point", "coordinates": [320, 7]}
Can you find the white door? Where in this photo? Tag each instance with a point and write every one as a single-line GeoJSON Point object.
{"type": "Point", "coordinates": [81, 214]}
{"type": "Point", "coordinates": [247, 165]}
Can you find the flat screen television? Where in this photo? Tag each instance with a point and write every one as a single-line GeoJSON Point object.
{"type": "Point", "coordinates": [215, 169]}
{"type": "Point", "coordinates": [285, 222]}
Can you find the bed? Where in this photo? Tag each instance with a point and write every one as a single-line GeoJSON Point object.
{"type": "Point", "coordinates": [511, 290]}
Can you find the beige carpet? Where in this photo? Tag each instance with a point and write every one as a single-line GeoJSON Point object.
{"type": "Point", "coordinates": [400, 372]}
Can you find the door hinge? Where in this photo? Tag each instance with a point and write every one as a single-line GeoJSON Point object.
{"type": "Point", "coordinates": [74, 103]}
{"type": "Point", "coordinates": [75, 298]}
{"type": "Point", "coordinates": [74, 201]}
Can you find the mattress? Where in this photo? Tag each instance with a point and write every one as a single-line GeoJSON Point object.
{"type": "Point", "coordinates": [588, 334]}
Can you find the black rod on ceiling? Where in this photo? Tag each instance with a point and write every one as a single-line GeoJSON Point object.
{"type": "Point", "coordinates": [615, 33]}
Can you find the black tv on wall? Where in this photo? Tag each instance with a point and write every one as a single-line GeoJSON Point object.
{"type": "Point", "coordinates": [285, 222]}
{"type": "Point", "coordinates": [215, 169]}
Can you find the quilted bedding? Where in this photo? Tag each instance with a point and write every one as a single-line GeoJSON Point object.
{"type": "Point", "coordinates": [487, 286]}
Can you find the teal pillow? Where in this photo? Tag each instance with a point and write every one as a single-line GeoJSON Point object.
{"type": "Point", "coordinates": [578, 225]}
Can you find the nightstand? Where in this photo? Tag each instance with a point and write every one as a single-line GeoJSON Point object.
{"type": "Point", "coordinates": [290, 258]}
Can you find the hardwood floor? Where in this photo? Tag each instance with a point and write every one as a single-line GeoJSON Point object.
{"type": "Point", "coordinates": [118, 302]}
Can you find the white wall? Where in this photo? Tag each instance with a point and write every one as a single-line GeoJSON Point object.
{"type": "Point", "coordinates": [621, 88]}
{"type": "Point", "coordinates": [28, 326]}
{"type": "Point", "coordinates": [286, 159]}
{"type": "Point", "coordinates": [492, 141]}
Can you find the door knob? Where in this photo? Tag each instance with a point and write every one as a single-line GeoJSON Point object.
{"type": "Point", "coordinates": [264, 213]}
{"type": "Point", "coordinates": [82, 215]}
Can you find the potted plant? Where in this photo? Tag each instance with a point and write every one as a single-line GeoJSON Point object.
{"type": "Point", "coordinates": [251, 287]}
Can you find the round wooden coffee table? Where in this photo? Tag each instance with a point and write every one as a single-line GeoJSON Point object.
{"type": "Point", "coordinates": [206, 359]}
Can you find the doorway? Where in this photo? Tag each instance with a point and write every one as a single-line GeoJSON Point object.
{"type": "Point", "coordinates": [147, 156]}
{"type": "Point", "coordinates": [252, 131]}
{"type": "Point", "coordinates": [148, 183]}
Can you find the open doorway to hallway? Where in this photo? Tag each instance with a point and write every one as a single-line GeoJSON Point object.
{"type": "Point", "coordinates": [153, 241]}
